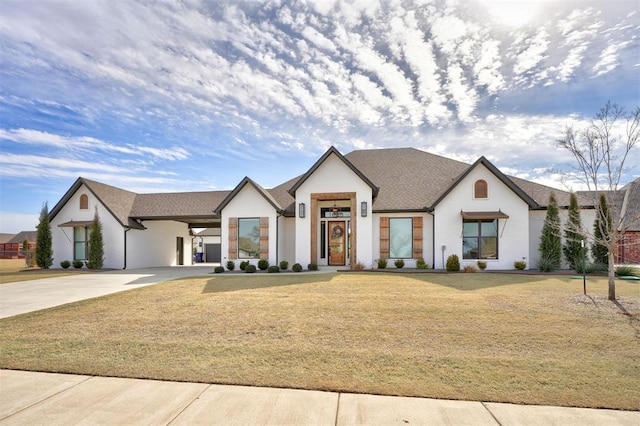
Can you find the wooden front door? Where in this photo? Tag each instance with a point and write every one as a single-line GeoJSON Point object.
{"type": "Point", "coordinates": [337, 246]}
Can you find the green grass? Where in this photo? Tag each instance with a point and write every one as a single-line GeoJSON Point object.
{"type": "Point", "coordinates": [489, 337]}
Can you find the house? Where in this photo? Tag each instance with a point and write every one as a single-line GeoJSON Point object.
{"type": "Point", "coordinates": [11, 246]}
{"type": "Point", "coordinates": [345, 210]}
{"type": "Point", "coordinates": [206, 245]}
{"type": "Point", "coordinates": [629, 248]}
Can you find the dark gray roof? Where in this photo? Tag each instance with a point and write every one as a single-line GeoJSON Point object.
{"type": "Point", "coordinates": [177, 204]}
{"type": "Point", "coordinates": [31, 236]}
{"type": "Point", "coordinates": [631, 205]}
{"type": "Point", "coordinates": [246, 181]}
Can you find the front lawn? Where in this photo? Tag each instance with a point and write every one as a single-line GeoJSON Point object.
{"type": "Point", "coordinates": [13, 270]}
{"type": "Point", "coordinates": [488, 337]}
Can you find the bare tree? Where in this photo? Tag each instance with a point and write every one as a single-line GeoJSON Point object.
{"type": "Point", "coordinates": [601, 151]}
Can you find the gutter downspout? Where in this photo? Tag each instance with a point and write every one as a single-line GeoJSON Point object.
{"type": "Point", "coordinates": [125, 247]}
{"type": "Point", "coordinates": [433, 238]}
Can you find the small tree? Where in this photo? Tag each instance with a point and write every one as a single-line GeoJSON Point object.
{"type": "Point", "coordinates": [601, 150]}
{"type": "Point", "coordinates": [601, 232]}
{"type": "Point", "coordinates": [550, 241]}
{"type": "Point", "coordinates": [573, 249]}
{"type": "Point", "coordinates": [44, 252]}
{"type": "Point", "coordinates": [96, 246]}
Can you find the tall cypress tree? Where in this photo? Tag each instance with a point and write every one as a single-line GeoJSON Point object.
{"type": "Point", "coordinates": [550, 241]}
{"type": "Point", "coordinates": [573, 250]}
{"type": "Point", "coordinates": [601, 230]}
{"type": "Point", "coordinates": [44, 252]}
{"type": "Point", "coordinates": [96, 246]}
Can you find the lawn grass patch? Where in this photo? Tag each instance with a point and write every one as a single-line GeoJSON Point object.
{"type": "Point", "coordinates": [14, 270]}
{"type": "Point", "coordinates": [489, 337]}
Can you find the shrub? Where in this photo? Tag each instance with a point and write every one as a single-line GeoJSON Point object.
{"type": "Point", "coordinates": [482, 265]}
{"type": "Point", "coordinates": [243, 265]}
{"type": "Point", "coordinates": [231, 265]}
{"type": "Point", "coordinates": [547, 264]}
{"type": "Point", "coordinates": [274, 268]}
{"type": "Point", "coordinates": [263, 264]}
{"type": "Point", "coordinates": [77, 264]}
{"type": "Point", "coordinates": [312, 267]}
{"type": "Point", "coordinates": [382, 263]}
{"type": "Point", "coordinates": [470, 268]}
{"type": "Point", "coordinates": [596, 267]}
{"type": "Point", "coordinates": [250, 269]}
{"type": "Point", "coordinates": [296, 267]}
{"type": "Point", "coordinates": [627, 271]}
{"type": "Point", "coordinates": [421, 264]}
{"type": "Point", "coordinates": [284, 265]}
{"type": "Point", "coordinates": [453, 263]}
{"type": "Point", "coordinates": [520, 265]}
{"type": "Point", "coordinates": [399, 263]}
{"type": "Point", "coordinates": [65, 264]}
{"type": "Point", "coordinates": [219, 269]}
{"type": "Point", "coordinates": [359, 266]}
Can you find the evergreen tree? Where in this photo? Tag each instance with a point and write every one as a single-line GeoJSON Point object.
{"type": "Point", "coordinates": [44, 252]}
{"type": "Point", "coordinates": [601, 230]}
{"type": "Point", "coordinates": [550, 241]}
{"type": "Point", "coordinates": [573, 250]}
{"type": "Point", "coordinates": [96, 245]}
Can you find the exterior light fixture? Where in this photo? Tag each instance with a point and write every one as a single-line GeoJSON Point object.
{"type": "Point", "coordinates": [301, 210]}
{"type": "Point", "coordinates": [363, 209]}
{"type": "Point", "coordinates": [335, 211]}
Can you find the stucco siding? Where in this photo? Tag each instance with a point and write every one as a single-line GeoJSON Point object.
{"type": "Point", "coordinates": [156, 245]}
{"type": "Point", "coordinates": [287, 240]}
{"type": "Point", "coordinates": [513, 233]}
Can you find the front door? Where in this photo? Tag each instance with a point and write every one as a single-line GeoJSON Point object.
{"type": "Point", "coordinates": [337, 247]}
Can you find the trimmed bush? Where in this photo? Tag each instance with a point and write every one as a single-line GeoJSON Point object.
{"type": "Point", "coordinates": [312, 267]}
{"type": "Point", "coordinates": [284, 265]}
{"type": "Point", "coordinates": [627, 271]}
{"type": "Point", "coordinates": [296, 267]}
{"type": "Point", "coordinates": [421, 264]}
{"type": "Point", "coordinates": [219, 269]}
{"type": "Point", "coordinates": [358, 266]}
{"type": "Point", "coordinates": [382, 263]}
{"type": "Point", "coordinates": [77, 264]}
{"type": "Point", "coordinates": [231, 265]}
{"type": "Point", "coordinates": [274, 268]}
{"type": "Point", "coordinates": [547, 264]}
{"type": "Point", "coordinates": [250, 269]}
{"type": "Point", "coordinates": [469, 268]}
{"type": "Point", "coordinates": [482, 265]}
{"type": "Point", "coordinates": [243, 265]}
{"type": "Point", "coordinates": [263, 264]}
{"type": "Point", "coordinates": [453, 263]}
{"type": "Point", "coordinates": [520, 265]}
{"type": "Point", "coordinates": [65, 264]}
{"type": "Point", "coordinates": [399, 263]}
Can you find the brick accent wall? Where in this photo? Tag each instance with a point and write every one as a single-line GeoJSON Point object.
{"type": "Point", "coordinates": [629, 249]}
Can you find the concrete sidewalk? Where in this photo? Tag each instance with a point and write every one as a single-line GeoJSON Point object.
{"type": "Point", "coordinates": [27, 296]}
{"type": "Point", "coordinates": [62, 399]}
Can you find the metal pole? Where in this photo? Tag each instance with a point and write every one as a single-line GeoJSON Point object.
{"type": "Point", "coordinates": [584, 267]}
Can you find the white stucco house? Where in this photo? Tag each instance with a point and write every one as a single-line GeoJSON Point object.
{"type": "Point", "coordinates": [389, 203]}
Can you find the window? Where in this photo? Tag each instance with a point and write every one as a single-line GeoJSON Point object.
{"type": "Point", "coordinates": [480, 189]}
{"type": "Point", "coordinates": [84, 202]}
{"type": "Point", "coordinates": [80, 243]}
{"type": "Point", "coordinates": [480, 239]}
{"type": "Point", "coordinates": [249, 238]}
{"type": "Point", "coordinates": [400, 238]}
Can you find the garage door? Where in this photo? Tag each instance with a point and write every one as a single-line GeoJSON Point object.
{"type": "Point", "coordinates": [212, 253]}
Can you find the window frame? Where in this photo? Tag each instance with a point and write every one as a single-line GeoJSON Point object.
{"type": "Point", "coordinates": [257, 237]}
{"type": "Point", "coordinates": [392, 250]}
{"type": "Point", "coordinates": [82, 242]}
{"type": "Point", "coordinates": [480, 239]}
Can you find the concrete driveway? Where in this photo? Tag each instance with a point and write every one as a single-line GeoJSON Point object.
{"type": "Point", "coordinates": [27, 296]}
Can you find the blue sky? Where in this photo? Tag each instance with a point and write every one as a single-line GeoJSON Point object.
{"type": "Point", "coordinates": [194, 95]}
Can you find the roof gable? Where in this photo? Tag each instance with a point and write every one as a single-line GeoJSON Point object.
{"type": "Point", "coordinates": [246, 181]}
{"type": "Point", "coordinates": [325, 156]}
{"type": "Point", "coordinates": [497, 173]}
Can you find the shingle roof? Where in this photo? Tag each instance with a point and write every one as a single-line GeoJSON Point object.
{"type": "Point", "coordinates": [177, 204]}
{"type": "Point", "coordinates": [247, 181]}
{"type": "Point", "coordinates": [24, 235]}
{"type": "Point", "coordinates": [632, 205]}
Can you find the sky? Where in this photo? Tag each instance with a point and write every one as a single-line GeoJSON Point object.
{"type": "Point", "coordinates": [166, 96]}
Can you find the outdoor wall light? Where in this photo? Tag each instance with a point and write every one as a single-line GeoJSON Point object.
{"type": "Point", "coordinates": [301, 212]}
{"type": "Point", "coordinates": [363, 209]}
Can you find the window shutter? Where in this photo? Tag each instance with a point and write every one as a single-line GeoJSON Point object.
{"type": "Point", "coordinates": [417, 237]}
{"type": "Point", "coordinates": [264, 238]}
{"type": "Point", "coordinates": [233, 238]}
{"type": "Point", "coordinates": [384, 237]}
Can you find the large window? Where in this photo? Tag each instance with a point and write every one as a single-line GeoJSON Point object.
{"type": "Point", "coordinates": [249, 238]}
{"type": "Point", "coordinates": [80, 243]}
{"type": "Point", "coordinates": [480, 239]}
{"type": "Point", "coordinates": [400, 238]}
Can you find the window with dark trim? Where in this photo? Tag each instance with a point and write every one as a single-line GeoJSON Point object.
{"type": "Point", "coordinates": [400, 238]}
{"type": "Point", "coordinates": [480, 189]}
{"type": "Point", "coordinates": [249, 238]}
{"type": "Point", "coordinates": [480, 239]}
{"type": "Point", "coordinates": [80, 243]}
{"type": "Point", "coordinates": [84, 202]}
